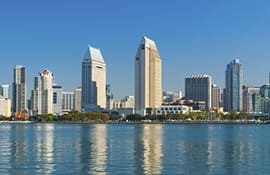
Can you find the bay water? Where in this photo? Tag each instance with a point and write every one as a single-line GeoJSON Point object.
{"type": "Point", "coordinates": [188, 149]}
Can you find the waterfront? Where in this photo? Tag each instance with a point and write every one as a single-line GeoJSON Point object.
{"type": "Point", "coordinates": [134, 149]}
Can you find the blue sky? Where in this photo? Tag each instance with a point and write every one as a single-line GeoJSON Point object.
{"type": "Point", "coordinates": [193, 37]}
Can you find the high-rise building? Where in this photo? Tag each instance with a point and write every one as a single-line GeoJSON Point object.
{"type": "Point", "coordinates": [42, 95]}
{"type": "Point", "coordinates": [109, 97]}
{"type": "Point", "coordinates": [198, 88]}
{"type": "Point", "coordinates": [233, 86]}
{"type": "Point", "coordinates": [251, 99]}
{"type": "Point", "coordinates": [19, 89]}
{"type": "Point", "coordinates": [4, 90]}
{"type": "Point", "coordinates": [57, 99]}
{"type": "Point", "coordinates": [265, 98]}
{"type": "Point", "coordinates": [93, 80]}
{"type": "Point", "coordinates": [216, 97]}
{"type": "Point", "coordinates": [148, 81]}
{"type": "Point", "coordinates": [5, 107]}
{"type": "Point", "coordinates": [68, 101]}
{"type": "Point", "coordinates": [78, 99]}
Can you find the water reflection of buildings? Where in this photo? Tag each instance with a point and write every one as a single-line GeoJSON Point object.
{"type": "Point", "coordinates": [19, 147]}
{"type": "Point", "coordinates": [45, 148]}
{"type": "Point", "coordinates": [148, 152]}
{"type": "Point", "coordinates": [94, 149]}
{"type": "Point", "coordinates": [99, 149]}
{"type": "Point", "coordinates": [14, 148]}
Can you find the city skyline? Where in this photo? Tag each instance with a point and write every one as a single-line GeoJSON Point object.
{"type": "Point", "coordinates": [209, 34]}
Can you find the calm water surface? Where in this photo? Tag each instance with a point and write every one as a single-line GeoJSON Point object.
{"type": "Point", "coordinates": [134, 149]}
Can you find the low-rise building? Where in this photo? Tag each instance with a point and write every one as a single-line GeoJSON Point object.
{"type": "Point", "coordinates": [171, 109]}
{"type": "Point", "coordinates": [125, 106]}
{"type": "Point", "coordinates": [5, 108]}
{"type": "Point", "coordinates": [68, 101]}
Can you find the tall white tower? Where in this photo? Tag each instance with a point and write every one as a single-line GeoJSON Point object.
{"type": "Point", "coordinates": [43, 93]}
{"type": "Point", "coordinates": [93, 80]}
{"type": "Point", "coordinates": [148, 81]}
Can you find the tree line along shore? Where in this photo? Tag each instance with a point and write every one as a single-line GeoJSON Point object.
{"type": "Point", "coordinates": [99, 117]}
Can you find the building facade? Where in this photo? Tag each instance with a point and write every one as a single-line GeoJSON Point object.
{"type": "Point", "coordinates": [265, 98]}
{"type": "Point", "coordinates": [68, 101]}
{"type": "Point", "coordinates": [172, 109]}
{"type": "Point", "coordinates": [251, 99]}
{"type": "Point", "coordinates": [109, 98]}
{"type": "Point", "coordinates": [78, 99]}
{"type": "Point", "coordinates": [125, 106]}
{"type": "Point", "coordinates": [198, 88]}
{"type": "Point", "coordinates": [4, 90]}
{"type": "Point", "coordinates": [5, 108]}
{"type": "Point", "coordinates": [128, 102]}
{"type": "Point", "coordinates": [19, 89]}
{"type": "Point", "coordinates": [93, 80]}
{"type": "Point", "coordinates": [42, 95]}
{"type": "Point", "coordinates": [216, 97]}
{"type": "Point", "coordinates": [233, 86]}
{"type": "Point", "coordinates": [171, 97]}
{"type": "Point", "coordinates": [148, 77]}
{"type": "Point", "coordinates": [57, 99]}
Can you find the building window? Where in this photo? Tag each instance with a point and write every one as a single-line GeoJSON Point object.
{"type": "Point", "coordinates": [54, 98]}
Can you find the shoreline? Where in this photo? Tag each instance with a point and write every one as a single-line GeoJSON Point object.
{"type": "Point", "coordinates": [145, 122]}
{"type": "Point", "coordinates": [17, 122]}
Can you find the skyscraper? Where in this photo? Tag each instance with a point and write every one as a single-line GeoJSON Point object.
{"type": "Point", "coordinates": [233, 86]}
{"type": "Point", "coordinates": [93, 80]}
{"type": "Point", "coordinates": [42, 95]}
{"type": "Point", "coordinates": [148, 81]}
{"type": "Point", "coordinates": [198, 88]}
{"type": "Point", "coordinates": [19, 89]}
{"type": "Point", "coordinates": [251, 99]}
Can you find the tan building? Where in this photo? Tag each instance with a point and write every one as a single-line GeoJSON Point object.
{"type": "Point", "coordinates": [148, 81]}
{"type": "Point", "coordinates": [5, 107]}
{"type": "Point", "coordinates": [216, 97]}
{"type": "Point", "coordinates": [77, 99]}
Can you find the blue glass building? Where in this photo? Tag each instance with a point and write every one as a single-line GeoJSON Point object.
{"type": "Point", "coordinates": [233, 86]}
